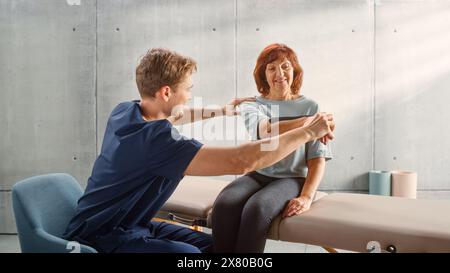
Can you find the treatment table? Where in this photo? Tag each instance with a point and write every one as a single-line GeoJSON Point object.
{"type": "Point", "coordinates": [354, 222]}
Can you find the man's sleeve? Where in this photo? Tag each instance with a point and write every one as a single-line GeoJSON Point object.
{"type": "Point", "coordinates": [170, 153]}
{"type": "Point", "coordinates": [252, 115]}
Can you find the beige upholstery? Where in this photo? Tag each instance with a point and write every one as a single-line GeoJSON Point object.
{"type": "Point", "coordinates": [350, 221]}
{"type": "Point", "coordinates": [274, 228]}
{"type": "Point", "coordinates": [339, 220]}
{"type": "Point", "coordinates": [194, 196]}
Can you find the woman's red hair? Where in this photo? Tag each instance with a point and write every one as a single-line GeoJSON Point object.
{"type": "Point", "coordinates": [269, 54]}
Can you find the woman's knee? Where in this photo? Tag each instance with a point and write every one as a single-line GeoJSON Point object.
{"type": "Point", "coordinates": [223, 202]}
{"type": "Point", "coordinates": [259, 209]}
{"type": "Point", "coordinates": [228, 201]}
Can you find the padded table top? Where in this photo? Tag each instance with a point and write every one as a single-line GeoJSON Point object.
{"type": "Point", "coordinates": [195, 196]}
{"type": "Point", "coordinates": [340, 220]}
{"type": "Point", "coordinates": [350, 221]}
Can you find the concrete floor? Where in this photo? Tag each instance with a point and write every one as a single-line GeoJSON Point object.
{"type": "Point", "coordinates": [10, 244]}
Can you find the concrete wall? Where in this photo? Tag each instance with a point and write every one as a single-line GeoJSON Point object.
{"type": "Point", "coordinates": [47, 92]}
{"type": "Point", "coordinates": [412, 80]}
{"type": "Point", "coordinates": [383, 69]}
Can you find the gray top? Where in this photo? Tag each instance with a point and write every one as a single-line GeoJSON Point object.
{"type": "Point", "coordinates": [294, 165]}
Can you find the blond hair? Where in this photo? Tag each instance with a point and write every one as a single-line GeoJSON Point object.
{"type": "Point", "coordinates": [162, 67]}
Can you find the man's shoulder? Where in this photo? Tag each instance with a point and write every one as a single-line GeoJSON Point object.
{"type": "Point", "coordinates": [126, 119]}
{"type": "Point", "coordinates": [123, 106]}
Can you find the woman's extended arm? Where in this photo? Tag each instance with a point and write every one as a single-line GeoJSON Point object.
{"type": "Point", "coordinates": [269, 129]}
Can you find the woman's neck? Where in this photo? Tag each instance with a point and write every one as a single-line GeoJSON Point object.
{"type": "Point", "coordinates": [283, 95]}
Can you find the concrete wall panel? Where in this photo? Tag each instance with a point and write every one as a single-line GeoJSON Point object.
{"type": "Point", "coordinates": [47, 95]}
{"type": "Point", "coordinates": [412, 90]}
{"type": "Point", "coordinates": [7, 222]}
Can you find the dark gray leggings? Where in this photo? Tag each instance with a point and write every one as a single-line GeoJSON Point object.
{"type": "Point", "coordinates": [244, 210]}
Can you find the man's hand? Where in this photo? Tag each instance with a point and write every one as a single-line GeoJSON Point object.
{"type": "Point", "coordinates": [297, 206]}
{"type": "Point", "coordinates": [230, 108]}
{"type": "Point", "coordinates": [176, 116]}
{"type": "Point", "coordinates": [331, 125]}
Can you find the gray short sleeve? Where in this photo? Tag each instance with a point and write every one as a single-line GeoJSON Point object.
{"type": "Point", "coordinates": [252, 115]}
{"type": "Point", "coordinates": [315, 149]}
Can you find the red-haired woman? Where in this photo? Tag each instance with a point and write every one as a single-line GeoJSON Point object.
{"type": "Point", "coordinates": [244, 210]}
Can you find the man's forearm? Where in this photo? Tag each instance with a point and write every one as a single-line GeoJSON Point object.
{"type": "Point", "coordinates": [196, 114]}
{"type": "Point", "coordinates": [316, 169]}
{"type": "Point", "coordinates": [256, 156]}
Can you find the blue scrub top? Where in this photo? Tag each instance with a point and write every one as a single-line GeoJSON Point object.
{"type": "Point", "coordinates": [140, 165]}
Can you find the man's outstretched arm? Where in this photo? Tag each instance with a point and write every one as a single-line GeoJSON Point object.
{"type": "Point", "coordinates": [211, 161]}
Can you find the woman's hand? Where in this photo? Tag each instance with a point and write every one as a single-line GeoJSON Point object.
{"type": "Point", "coordinates": [230, 108]}
{"type": "Point", "coordinates": [297, 206]}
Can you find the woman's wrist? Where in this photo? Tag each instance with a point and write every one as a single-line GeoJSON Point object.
{"type": "Point", "coordinates": [308, 196]}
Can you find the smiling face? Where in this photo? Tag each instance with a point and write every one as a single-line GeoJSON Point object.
{"type": "Point", "coordinates": [277, 72]}
{"type": "Point", "coordinates": [279, 75]}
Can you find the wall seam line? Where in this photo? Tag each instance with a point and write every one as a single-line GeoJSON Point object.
{"type": "Point", "coordinates": [235, 68]}
{"type": "Point", "coordinates": [95, 78]}
{"type": "Point", "coordinates": [374, 92]}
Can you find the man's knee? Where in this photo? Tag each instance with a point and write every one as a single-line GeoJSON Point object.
{"type": "Point", "coordinates": [180, 247]}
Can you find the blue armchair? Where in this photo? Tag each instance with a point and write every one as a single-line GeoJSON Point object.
{"type": "Point", "coordinates": [43, 206]}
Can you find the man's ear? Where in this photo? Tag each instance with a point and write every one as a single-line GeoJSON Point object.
{"type": "Point", "coordinates": [165, 93]}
